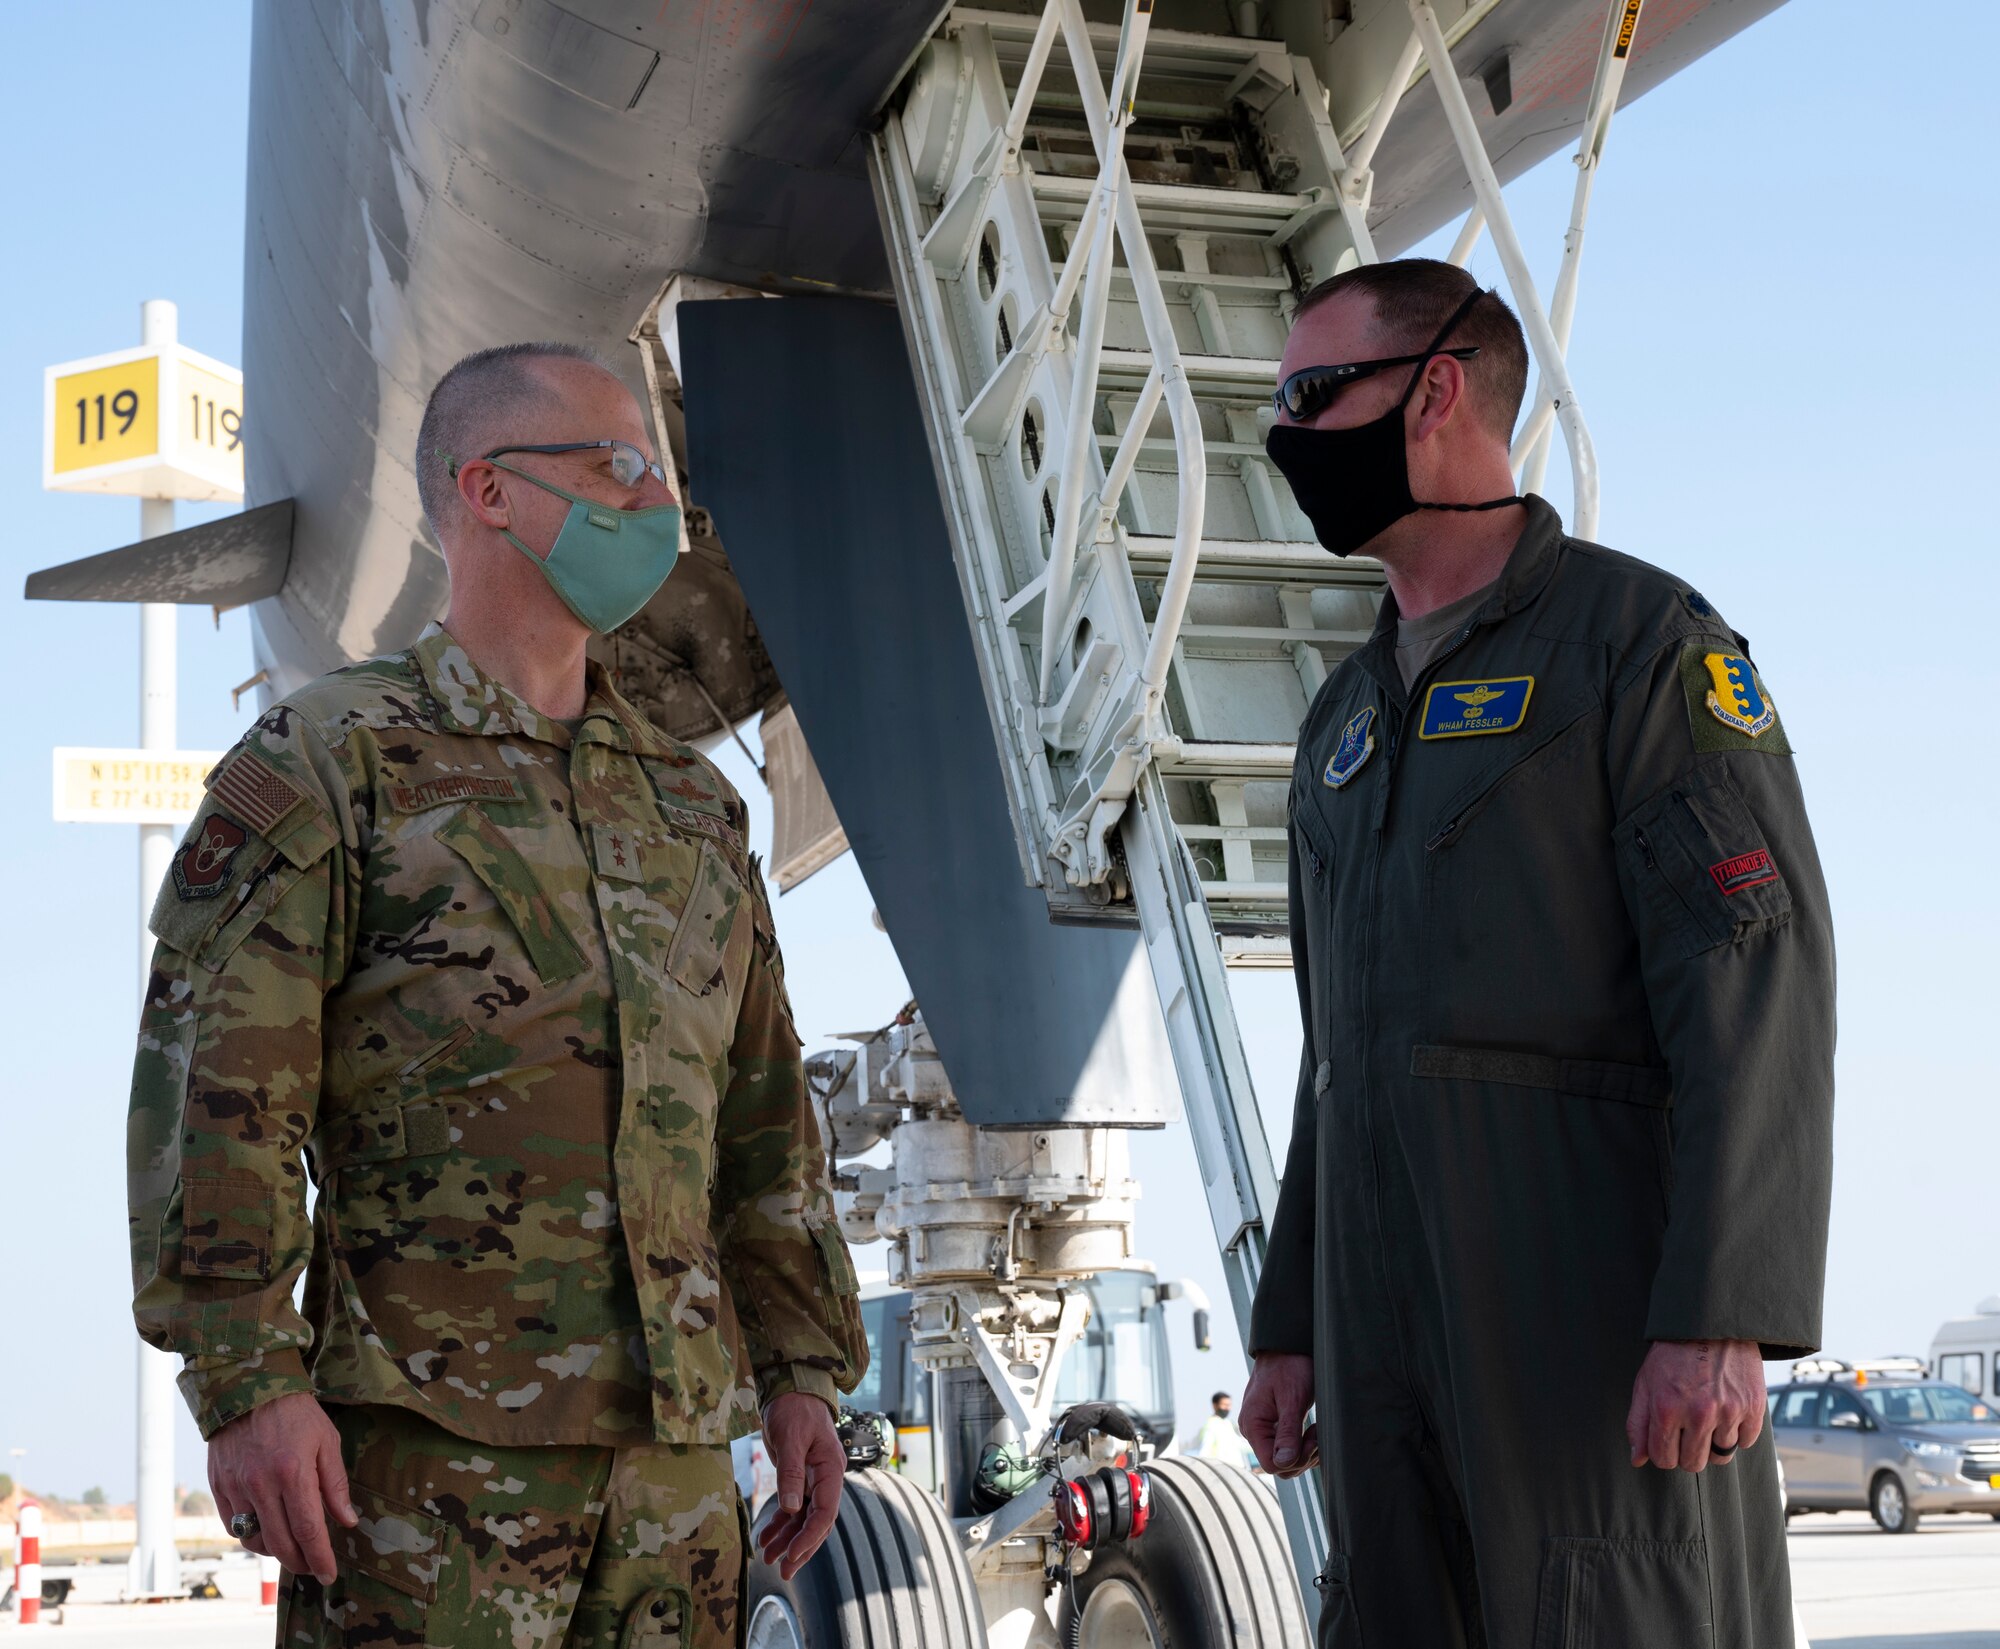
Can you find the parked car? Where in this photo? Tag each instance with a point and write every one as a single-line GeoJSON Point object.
{"type": "Point", "coordinates": [1898, 1444]}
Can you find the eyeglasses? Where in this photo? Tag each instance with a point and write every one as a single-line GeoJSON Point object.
{"type": "Point", "coordinates": [1311, 389]}
{"type": "Point", "coordinates": [628, 463]}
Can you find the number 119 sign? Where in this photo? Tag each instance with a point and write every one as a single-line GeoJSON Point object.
{"type": "Point", "coordinates": [145, 423]}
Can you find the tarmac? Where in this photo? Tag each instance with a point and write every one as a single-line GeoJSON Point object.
{"type": "Point", "coordinates": [1856, 1588]}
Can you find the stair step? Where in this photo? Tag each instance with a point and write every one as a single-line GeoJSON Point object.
{"type": "Point", "coordinates": [1214, 759]}
{"type": "Point", "coordinates": [1257, 561]}
{"type": "Point", "coordinates": [1235, 377]}
{"type": "Point", "coordinates": [1061, 198]}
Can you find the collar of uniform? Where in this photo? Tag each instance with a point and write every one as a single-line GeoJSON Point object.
{"type": "Point", "coordinates": [1529, 566]}
{"type": "Point", "coordinates": [610, 719]}
{"type": "Point", "coordinates": [471, 701]}
{"type": "Point", "coordinates": [1532, 563]}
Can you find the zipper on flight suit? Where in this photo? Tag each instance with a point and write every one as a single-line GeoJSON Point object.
{"type": "Point", "coordinates": [1388, 781]}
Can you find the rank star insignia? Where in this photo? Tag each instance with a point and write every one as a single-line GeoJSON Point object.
{"type": "Point", "coordinates": [202, 867]}
{"type": "Point", "coordinates": [1357, 744]}
{"type": "Point", "coordinates": [1738, 698]}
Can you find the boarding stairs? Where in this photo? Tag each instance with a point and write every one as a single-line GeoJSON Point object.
{"type": "Point", "coordinates": [1097, 269]}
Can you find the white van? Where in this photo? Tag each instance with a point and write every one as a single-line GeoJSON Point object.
{"type": "Point", "coordinates": [1966, 1351]}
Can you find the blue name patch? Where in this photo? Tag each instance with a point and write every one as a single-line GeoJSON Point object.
{"type": "Point", "coordinates": [1459, 709]}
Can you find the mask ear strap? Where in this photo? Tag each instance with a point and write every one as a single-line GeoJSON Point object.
{"type": "Point", "coordinates": [1437, 343]}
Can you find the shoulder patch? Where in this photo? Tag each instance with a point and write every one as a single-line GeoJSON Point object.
{"type": "Point", "coordinates": [253, 791]}
{"type": "Point", "coordinates": [206, 862]}
{"type": "Point", "coordinates": [1728, 707]}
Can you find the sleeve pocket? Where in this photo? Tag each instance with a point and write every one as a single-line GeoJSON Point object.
{"type": "Point", "coordinates": [226, 1227]}
{"type": "Point", "coordinates": [1703, 872]}
{"type": "Point", "coordinates": [840, 1294]}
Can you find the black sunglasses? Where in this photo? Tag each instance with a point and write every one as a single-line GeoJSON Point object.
{"type": "Point", "coordinates": [1312, 388]}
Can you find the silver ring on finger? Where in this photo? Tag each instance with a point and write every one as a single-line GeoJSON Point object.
{"type": "Point", "coordinates": [244, 1525]}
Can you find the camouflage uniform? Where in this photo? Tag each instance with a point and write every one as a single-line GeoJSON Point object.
{"type": "Point", "coordinates": [513, 1000]}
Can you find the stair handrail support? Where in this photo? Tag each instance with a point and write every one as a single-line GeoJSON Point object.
{"type": "Point", "coordinates": [1613, 55]}
{"type": "Point", "coordinates": [1547, 351]}
{"type": "Point", "coordinates": [1108, 114]}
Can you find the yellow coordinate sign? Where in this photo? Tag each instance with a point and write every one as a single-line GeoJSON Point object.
{"type": "Point", "coordinates": [130, 786]}
{"type": "Point", "coordinates": [106, 414]}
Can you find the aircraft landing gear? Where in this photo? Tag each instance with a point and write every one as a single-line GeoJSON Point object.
{"type": "Point", "coordinates": [1212, 1571]}
{"type": "Point", "coordinates": [891, 1576]}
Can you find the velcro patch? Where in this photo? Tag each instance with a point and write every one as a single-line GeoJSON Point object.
{"type": "Point", "coordinates": [1728, 707]}
{"type": "Point", "coordinates": [452, 787]}
{"type": "Point", "coordinates": [707, 824]}
{"type": "Point", "coordinates": [1461, 709]}
{"type": "Point", "coordinates": [207, 859]}
{"type": "Point", "coordinates": [1357, 744]}
{"type": "Point", "coordinates": [1745, 870]}
{"type": "Point", "coordinates": [254, 791]}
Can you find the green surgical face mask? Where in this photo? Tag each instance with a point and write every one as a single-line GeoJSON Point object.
{"type": "Point", "coordinates": [606, 563]}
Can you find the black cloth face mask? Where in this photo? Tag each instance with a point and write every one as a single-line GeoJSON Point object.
{"type": "Point", "coordinates": [1355, 483]}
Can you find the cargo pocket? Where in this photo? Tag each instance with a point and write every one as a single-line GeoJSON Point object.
{"type": "Point", "coordinates": [1339, 1627]}
{"type": "Point", "coordinates": [501, 870]}
{"type": "Point", "coordinates": [226, 1227]}
{"type": "Point", "coordinates": [398, 1547]}
{"type": "Point", "coordinates": [1699, 864]}
{"type": "Point", "coordinates": [1623, 1594]}
{"type": "Point", "coordinates": [659, 1620]}
{"type": "Point", "coordinates": [707, 920]}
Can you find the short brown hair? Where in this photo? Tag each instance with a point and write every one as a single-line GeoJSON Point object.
{"type": "Point", "coordinates": [1413, 297]}
{"type": "Point", "coordinates": [470, 404]}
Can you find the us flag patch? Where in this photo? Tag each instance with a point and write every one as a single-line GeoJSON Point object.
{"type": "Point", "coordinates": [254, 791]}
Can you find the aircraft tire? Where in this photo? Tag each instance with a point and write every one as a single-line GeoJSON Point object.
{"type": "Point", "coordinates": [1212, 1570]}
{"type": "Point", "coordinates": [891, 1576]}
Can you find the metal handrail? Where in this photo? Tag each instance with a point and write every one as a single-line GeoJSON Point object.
{"type": "Point", "coordinates": [1613, 54]}
{"type": "Point", "coordinates": [1542, 340]}
{"type": "Point", "coordinates": [1117, 224]}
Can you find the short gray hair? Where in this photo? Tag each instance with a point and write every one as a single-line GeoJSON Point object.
{"type": "Point", "coordinates": [470, 402]}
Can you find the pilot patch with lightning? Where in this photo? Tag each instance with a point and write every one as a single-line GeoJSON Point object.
{"type": "Point", "coordinates": [1460, 709]}
{"type": "Point", "coordinates": [1357, 744]}
{"type": "Point", "coordinates": [1728, 708]}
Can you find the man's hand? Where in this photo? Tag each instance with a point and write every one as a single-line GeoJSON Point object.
{"type": "Point", "coordinates": [1696, 1401]}
{"type": "Point", "coordinates": [798, 1432]}
{"type": "Point", "coordinates": [1274, 1414]}
{"type": "Point", "coordinates": [282, 1462]}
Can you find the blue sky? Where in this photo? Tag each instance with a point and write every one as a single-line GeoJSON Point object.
{"type": "Point", "coordinates": [1784, 345]}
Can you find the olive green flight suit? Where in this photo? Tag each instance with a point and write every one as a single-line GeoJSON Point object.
{"type": "Point", "coordinates": [1566, 970]}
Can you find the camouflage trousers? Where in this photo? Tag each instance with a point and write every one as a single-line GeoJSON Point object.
{"type": "Point", "coordinates": [467, 1546]}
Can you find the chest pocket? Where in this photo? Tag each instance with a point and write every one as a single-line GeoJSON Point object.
{"type": "Point", "coordinates": [502, 871]}
{"type": "Point", "coordinates": [1511, 761]}
{"type": "Point", "coordinates": [678, 903]}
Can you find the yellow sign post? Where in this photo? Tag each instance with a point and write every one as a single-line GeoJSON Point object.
{"type": "Point", "coordinates": [130, 786]}
{"type": "Point", "coordinates": [161, 421]}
